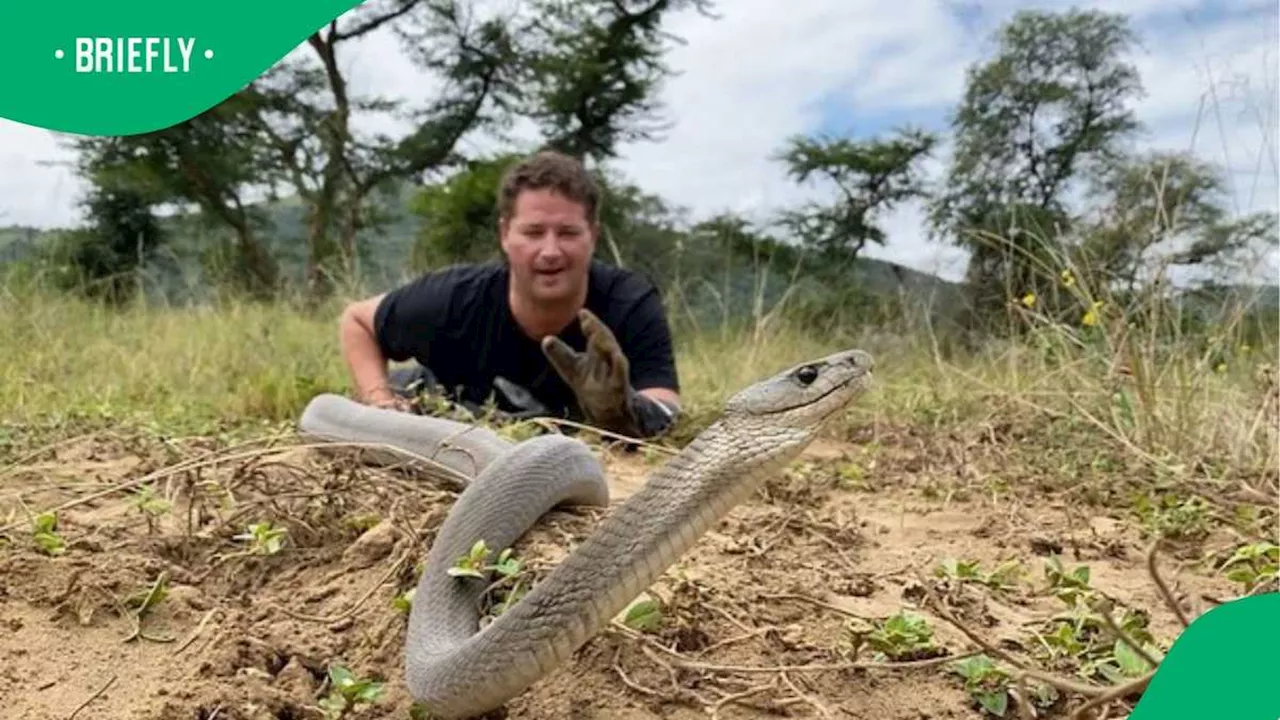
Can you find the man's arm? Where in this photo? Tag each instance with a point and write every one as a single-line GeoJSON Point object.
{"type": "Point", "coordinates": [360, 349]}
{"type": "Point", "coordinates": [397, 325]}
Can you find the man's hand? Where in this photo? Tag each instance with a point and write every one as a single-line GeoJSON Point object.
{"type": "Point", "coordinates": [385, 398]}
{"type": "Point", "coordinates": [600, 377]}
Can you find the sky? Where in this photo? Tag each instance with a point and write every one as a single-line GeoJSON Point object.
{"type": "Point", "coordinates": [764, 70]}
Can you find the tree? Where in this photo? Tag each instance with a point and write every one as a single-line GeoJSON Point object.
{"type": "Point", "coordinates": [213, 161]}
{"type": "Point", "coordinates": [1167, 208]}
{"type": "Point", "coordinates": [592, 71]}
{"type": "Point", "coordinates": [100, 260]}
{"type": "Point", "coordinates": [460, 215]}
{"type": "Point", "coordinates": [331, 167]}
{"type": "Point", "coordinates": [1052, 105]}
{"type": "Point", "coordinates": [587, 73]}
{"type": "Point", "coordinates": [293, 129]}
{"type": "Point", "coordinates": [870, 177]}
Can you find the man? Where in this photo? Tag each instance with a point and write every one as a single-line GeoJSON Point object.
{"type": "Point", "coordinates": [550, 331]}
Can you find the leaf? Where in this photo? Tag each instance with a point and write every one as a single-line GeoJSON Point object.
{"type": "Point", "coordinates": [996, 703]}
{"type": "Point", "coordinates": [1131, 663]}
{"type": "Point", "coordinates": [340, 676]}
{"type": "Point", "coordinates": [644, 616]}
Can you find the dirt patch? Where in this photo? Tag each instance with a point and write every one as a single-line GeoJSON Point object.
{"type": "Point", "coordinates": [806, 572]}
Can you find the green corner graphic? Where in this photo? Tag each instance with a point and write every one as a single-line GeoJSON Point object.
{"type": "Point", "coordinates": [103, 68]}
{"type": "Point", "coordinates": [1225, 665]}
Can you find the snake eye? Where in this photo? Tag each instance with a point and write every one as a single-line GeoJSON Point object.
{"type": "Point", "coordinates": [806, 374]}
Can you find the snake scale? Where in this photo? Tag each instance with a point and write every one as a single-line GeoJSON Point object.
{"type": "Point", "coordinates": [454, 668]}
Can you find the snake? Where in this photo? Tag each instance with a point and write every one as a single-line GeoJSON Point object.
{"type": "Point", "coordinates": [455, 666]}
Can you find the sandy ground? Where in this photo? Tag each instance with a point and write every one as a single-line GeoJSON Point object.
{"type": "Point", "coordinates": [848, 537]}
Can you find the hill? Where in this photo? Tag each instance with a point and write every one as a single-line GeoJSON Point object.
{"type": "Point", "coordinates": [182, 271]}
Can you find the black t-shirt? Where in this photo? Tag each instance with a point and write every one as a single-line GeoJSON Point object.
{"type": "Point", "coordinates": [456, 321]}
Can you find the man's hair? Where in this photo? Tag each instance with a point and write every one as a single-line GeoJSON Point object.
{"type": "Point", "coordinates": [552, 170]}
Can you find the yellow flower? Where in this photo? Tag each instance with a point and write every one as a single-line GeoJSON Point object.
{"type": "Point", "coordinates": [1221, 368]}
{"type": "Point", "coordinates": [1067, 278]}
{"type": "Point", "coordinates": [1244, 349]}
{"type": "Point", "coordinates": [1029, 299]}
{"type": "Point", "coordinates": [1091, 315]}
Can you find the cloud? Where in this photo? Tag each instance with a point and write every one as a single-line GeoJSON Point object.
{"type": "Point", "coordinates": [765, 71]}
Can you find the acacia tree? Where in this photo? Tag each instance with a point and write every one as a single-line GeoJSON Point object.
{"type": "Point", "coordinates": [592, 71]}
{"type": "Point", "coordinates": [293, 130]}
{"type": "Point", "coordinates": [1165, 208]}
{"type": "Point", "coordinates": [213, 162]}
{"type": "Point", "coordinates": [587, 73]}
{"type": "Point", "coordinates": [869, 177]}
{"type": "Point", "coordinates": [1050, 107]}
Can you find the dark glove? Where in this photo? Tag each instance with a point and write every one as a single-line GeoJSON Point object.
{"type": "Point", "coordinates": [600, 379]}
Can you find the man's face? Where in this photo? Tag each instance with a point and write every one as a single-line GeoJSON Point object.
{"type": "Point", "coordinates": [548, 242]}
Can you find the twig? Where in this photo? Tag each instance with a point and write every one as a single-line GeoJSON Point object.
{"type": "Point", "coordinates": [1164, 589]}
{"type": "Point", "coordinates": [453, 475]}
{"type": "Point", "coordinates": [734, 697]}
{"type": "Point", "coordinates": [1133, 686]}
{"type": "Point", "coordinates": [681, 661]}
{"type": "Point", "coordinates": [1125, 637]}
{"type": "Point", "coordinates": [812, 601]}
{"type": "Point", "coordinates": [1024, 699]}
{"type": "Point", "coordinates": [547, 422]}
{"type": "Point", "coordinates": [806, 697]}
{"type": "Point", "coordinates": [204, 622]}
{"type": "Point", "coordinates": [92, 697]}
{"type": "Point", "coordinates": [737, 638]}
{"type": "Point", "coordinates": [1057, 681]}
{"type": "Point", "coordinates": [328, 620]}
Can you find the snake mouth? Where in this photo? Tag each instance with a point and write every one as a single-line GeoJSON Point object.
{"type": "Point", "coordinates": [825, 393]}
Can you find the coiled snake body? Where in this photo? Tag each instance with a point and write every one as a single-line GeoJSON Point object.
{"type": "Point", "coordinates": [457, 670]}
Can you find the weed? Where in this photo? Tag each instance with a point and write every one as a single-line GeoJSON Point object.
{"type": "Point", "coordinates": [44, 533]}
{"type": "Point", "coordinates": [1003, 578]}
{"type": "Point", "coordinates": [348, 692]}
{"type": "Point", "coordinates": [263, 538]}
{"type": "Point", "coordinates": [1254, 566]}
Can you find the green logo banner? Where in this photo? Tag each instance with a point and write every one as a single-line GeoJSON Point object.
{"type": "Point", "coordinates": [123, 68]}
{"type": "Point", "coordinates": [1225, 665]}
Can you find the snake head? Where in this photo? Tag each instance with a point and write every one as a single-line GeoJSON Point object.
{"type": "Point", "coordinates": [806, 395]}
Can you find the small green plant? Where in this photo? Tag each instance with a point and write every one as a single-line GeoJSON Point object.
{"type": "Point", "coordinates": [148, 502]}
{"type": "Point", "coordinates": [645, 615]}
{"type": "Point", "coordinates": [1083, 637]}
{"type": "Point", "coordinates": [1253, 565]}
{"type": "Point", "coordinates": [902, 636]}
{"type": "Point", "coordinates": [143, 602]}
{"type": "Point", "coordinates": [361, 522]}
{"type": "Point", "coordinates": [1169, 516]}
{"type": "Point", "coordinates": [985, 682]}
{"type": "Point", "coordinates": [476, 564]}
{"type": "Point", "coordinates": [1069, 587]}
{"type": "Point", "coordinates": [851, 476]}
{"type": "Point", "coordinates": [404, 601]}
{"type": "Point", "coordinates": [1004, 577]}
{"type": "Point", "coordinates": [263, 538]}
{"type": "Point", "coordinates": [150, 505]}
{"type": "Point", "coordinates": [44, 533]}
{"type": "Point", "coordinates": [347, 692]}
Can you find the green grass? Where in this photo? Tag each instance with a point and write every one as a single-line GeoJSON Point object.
{"type": "Point", "coordinates": [1134, 382]}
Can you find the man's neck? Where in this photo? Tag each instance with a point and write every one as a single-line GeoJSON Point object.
{"type": "Point", "coordinates": [538, 320]}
